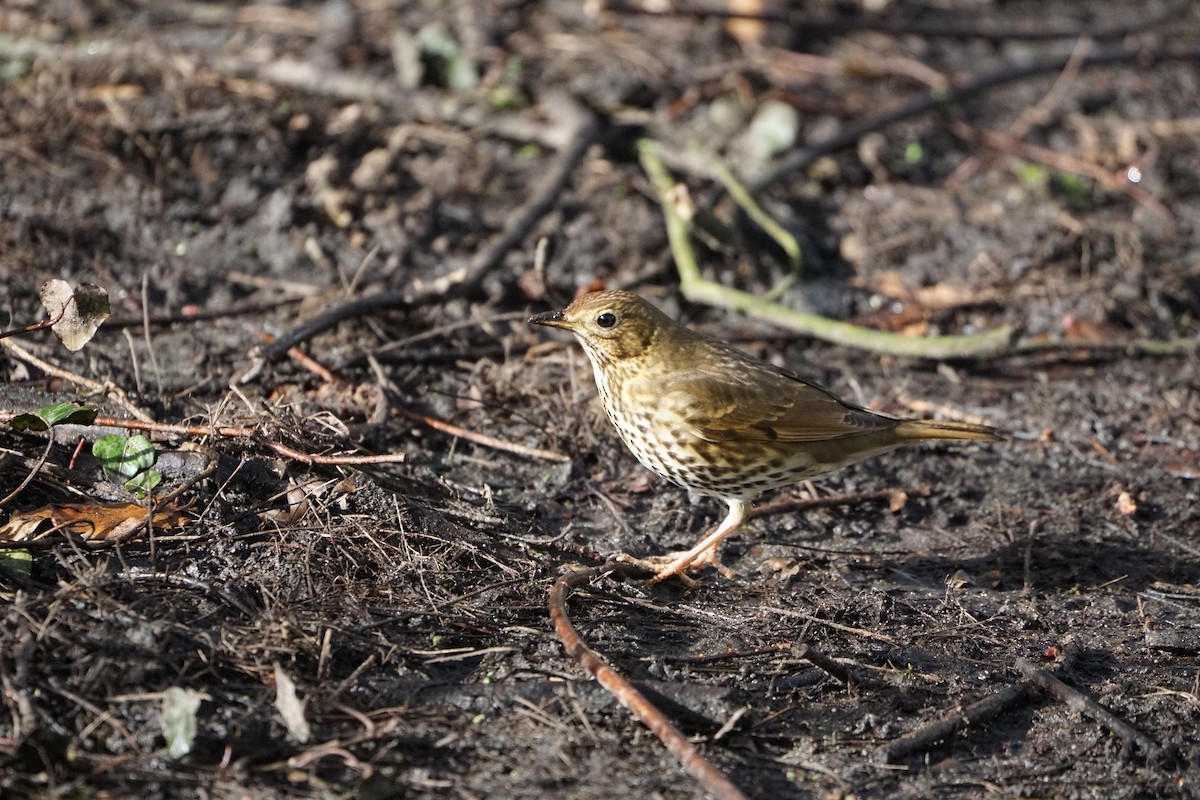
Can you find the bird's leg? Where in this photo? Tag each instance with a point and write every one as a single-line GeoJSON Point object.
{"type": "Point", "coordinates": [704, 551]}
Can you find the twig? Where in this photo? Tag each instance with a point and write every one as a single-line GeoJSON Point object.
{"type": "Point", "coordinates": [202, 315]}
{"type": "Point", "coordinates": [232, 432]}
{"type": "Point", "coordinates": [782, 236]}
{"type": "Point", "coordinates": [442, 330]}
{"type": "Point", "coordinates": [300, 357]}
{"type": "Point", "coordinates": [482, 439]}
{"type": "Point", "coordinates": [87, 383]}
{"type": "Point", "coordinates": [33, 472]}
{"type": "Point", "coordinates": [1035, 114]}
{"type": "Point", "coordinates": [824, 663]}
{"type": "Point", "coordinates": [941, 729]}
{"type": "Point", "coordinates": [364, 306]}
{"type": "Point", "coordinates": [997, 343]}
{"type": "Point", "coordinates": [524, 218]}
{"type": "Point", "coordinates": [182, 581]}
{"type": "Point", "coordinates": [803, 158]}
{"type": "Point", "coordinates": [701, 290]}
{"type": "Point", "coordinates": [927, 736]}
{"type": "Point", "coordinates": [1007, 143]}
{"type": "Point", "coordinates": [713, 780]}
{"type": "Point", "coordinates": [1130, 347]}
{"type": "Point", "coordinates": [804, 615]}
{"type": "Point", "coordinates": [37, 326]}
{"type": "Point", "coordinates": [469, 279]}
{"type": "Point", "coordinates": [1035, 679]}
{"type": "Point", "coordinates": [786, 505]}
{"type": "Point", "coordinates": [164, 500]}
{"type": "Point", "coordinates": [823, 24]}
{"type": "Point", "coordinates": [1077, 701]}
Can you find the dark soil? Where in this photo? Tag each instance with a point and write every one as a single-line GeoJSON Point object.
{"type": "Point", "coordinates": [231, 172]}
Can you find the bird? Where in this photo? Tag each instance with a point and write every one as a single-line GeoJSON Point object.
{"type": "Point", "coordinates": [719, 422]}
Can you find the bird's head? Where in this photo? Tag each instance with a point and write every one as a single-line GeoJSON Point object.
{"type": "Point", "coordinates": [613, 326]}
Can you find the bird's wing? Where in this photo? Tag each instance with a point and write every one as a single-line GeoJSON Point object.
{"type": "Point", "coordinates": [763, 403]}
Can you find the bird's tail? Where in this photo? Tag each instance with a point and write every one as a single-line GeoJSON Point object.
{"type": "Point", "coordinates": [918, 429]}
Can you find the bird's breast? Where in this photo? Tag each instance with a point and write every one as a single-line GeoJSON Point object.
{"type": "Point", "coordinates": [665, 442]}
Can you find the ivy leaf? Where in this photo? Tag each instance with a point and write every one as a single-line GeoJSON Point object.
{"type": "Point", "coordinates": [128, 460]}
{"type": "Point", "coordinates": [47, 417]}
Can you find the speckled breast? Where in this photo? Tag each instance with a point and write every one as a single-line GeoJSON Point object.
{"type": "Point", "coordinates": [736, 469]}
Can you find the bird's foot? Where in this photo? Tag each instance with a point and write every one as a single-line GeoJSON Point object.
{"type": "Point", "coordinates": [678, 563]}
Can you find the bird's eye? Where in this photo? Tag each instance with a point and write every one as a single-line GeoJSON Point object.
{"type": "Point", "coordinates": [606, 320]}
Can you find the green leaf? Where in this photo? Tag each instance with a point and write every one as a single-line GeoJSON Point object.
{"type": "Point", "coordinates": [57, 414]}
{"type": "Point", "coordinates": [16, 562]}
{"type": "Point", "coordinates": [142, 484]}
{"type": "Point", "coordinates": [128, 459]}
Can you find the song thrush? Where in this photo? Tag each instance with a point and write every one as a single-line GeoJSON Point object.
{"type": "Point", "coordinates": [718, 422]}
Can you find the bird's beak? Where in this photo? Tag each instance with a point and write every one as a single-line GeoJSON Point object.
{"type": "Point", "coordinates": [553, 319]}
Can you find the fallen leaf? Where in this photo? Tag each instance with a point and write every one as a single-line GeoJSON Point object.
{"type": "Point", "coordinates": [943, 296]}
{"type": "Point", "coordinates": [79, 311]}
{"type": "Point", "coordinates": [17, 562]}
{"type": "Point", "coordinates": [959, 580]}
{"type": "Point", "coordinates": [290, 706]}
{"type": "Point", "coordinates": [178, 720]}
{"type": "Point", "coordinates": [746, 29]}
{"type": "Point", "coordinates": [1126, 505]}
{"type": "Point", "coordinates": [786, 567]}
{"type": "Point", "coordinates": [88, 520]}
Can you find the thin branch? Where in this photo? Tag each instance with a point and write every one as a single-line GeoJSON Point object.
{"type": "Point", "coordinates": [848, 136]}
{"type": "Point", "coordinates": [825, 24]}
{"type": "Point", "coordinates": [233, 432]}
{"type": "Point", "coordinates": [713, 780]}
{"type": "Point", "coordinates": [362, 307]}
{"type": "Point", "coordinates": [468, 279]}
{"type": "Point", "coordinates": [37, 326]}
{"type": "Point", "coordinates": [1076, 700]}
{"type": "Point", "coordinates": [997, 343]}
{"type": "Point", "coordinates": [1036, 680]}
{"type": "Point", "coordinates": [522, 220]}
{"type": "Point", "coordinates": [33, 472]}
{"type": "Point", "coordinates": [202, 315]}
{"type": "Point", "coordinates": [928, 736]}
{"type": "Point", "coordinates": [79, 380]}
{"type": "Point", "coordinates": [1033, 115]}
{"type": "Point", "coordinates": [482, 439]}
{"type": "Point", "coordinates": [1063, 162]}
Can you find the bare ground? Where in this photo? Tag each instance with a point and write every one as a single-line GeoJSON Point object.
{"type": "Point", "coordinates": [231, 171]}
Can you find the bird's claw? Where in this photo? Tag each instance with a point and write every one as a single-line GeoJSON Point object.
{"type": "Point", "coordinates": [677, 564]}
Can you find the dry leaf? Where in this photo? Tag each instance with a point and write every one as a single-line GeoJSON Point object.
{"type": "Point", "coordinates": [942, 296]}
{"type": "Point", "coordinates": [786, 567]}
{"type": "Point", "coordinates": [89, 520]}
{"type": "Point", "coordinates": [290, 707]}
{"type": "Point", "coordinates": [747, 30]}
{"type": "Point", "coordinates": [79, 311]}
{"type": "Point", "coordinates": [959, 580]}
{"type": "Point", "coordinates": [178, 719]}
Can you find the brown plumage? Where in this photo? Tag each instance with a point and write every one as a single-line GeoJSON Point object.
{"type": "Point", "coordinates": [718, 422]}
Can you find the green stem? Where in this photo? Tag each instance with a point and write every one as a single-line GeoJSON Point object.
{"type": "Point", "coordinates": [698, 289]}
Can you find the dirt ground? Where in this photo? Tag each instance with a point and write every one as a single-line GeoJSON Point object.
{"type": "Point", "coordinates": [231, 172]}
